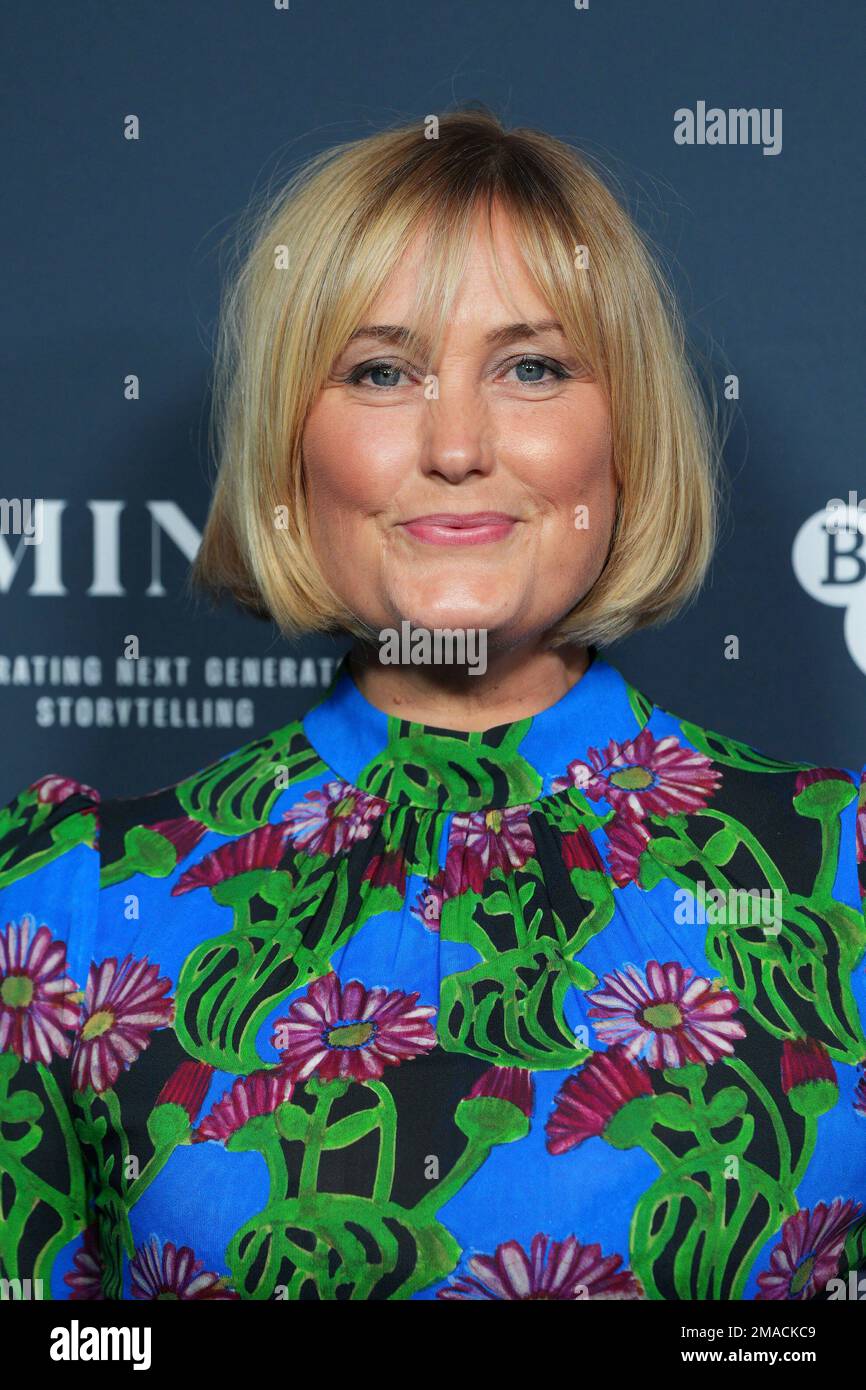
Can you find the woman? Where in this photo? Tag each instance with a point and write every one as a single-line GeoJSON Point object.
{"type": "Point", "coordinates": [488, 978]}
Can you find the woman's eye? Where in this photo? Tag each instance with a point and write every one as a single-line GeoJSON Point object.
{"type": "Point", "coordinates": [383, 375]}
{"type": "Point", "coordinates": [531, 370]}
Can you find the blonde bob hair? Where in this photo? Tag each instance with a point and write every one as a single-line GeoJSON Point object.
{"type": "Point", "coordinates": [312, 261]}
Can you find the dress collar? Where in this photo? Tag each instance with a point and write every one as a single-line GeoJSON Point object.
{"type": "Point", "coordinates": [405, 762]}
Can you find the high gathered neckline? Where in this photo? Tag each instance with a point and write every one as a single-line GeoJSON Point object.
{"type": "Point", "coordinates": [433, 767]}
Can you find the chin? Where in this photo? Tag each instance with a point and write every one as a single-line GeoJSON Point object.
{"type": "Point", "coordinates": [424, 610]}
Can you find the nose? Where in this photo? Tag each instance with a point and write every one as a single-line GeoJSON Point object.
{"type": "Point", "coordinates": [456, 430]}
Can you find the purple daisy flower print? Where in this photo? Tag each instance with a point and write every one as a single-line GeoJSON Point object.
{"type": "Point", "coordinates": [39, 1003]}
{"type": "Point", "coordinates": [85, 1276]}
{"type": "Point", "coordinates": [553, 1269]}
{"type": "Point", "coordinates": [627, 841]}
{"type": "Point", "coordinates": [668, 1014]}
{"type": "Point", "coordinates": [182, 831]}
{"type": "Point", "coordinates": [169, 1272]}
{"type": "Point", "coordinates": [589, 1099]}
{"type": "Point", "coordinates": [349, 1031]}
{"type": "Point", "coordinates": [123, 1005]}
{"type": "Point", "coordinates": [481, 841]}
{"type": "Point", "coordinates": [251, 1096]}
{"type": "Point", "coordinates": [331, 819]}
{"type": "Point", "coordinates": [645, 776]}
{"type": "Point", "coordinates": [262, 848]}
{"type": "Point", "coordinates": [808, 1254]}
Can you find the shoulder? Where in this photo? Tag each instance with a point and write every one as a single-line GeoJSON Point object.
{"type": "Point", "coordinates": [47, 819]}
{"type": "Point", "coordinates": [734, 754]}
{"type": "Point", "coordinates": [49, 878]}
{"type": "Point", "coordinates": [235, 793]}
{"type": "Point", "coordinates": [784, 805]}
{"type": "Point", "coordinates": [150, 832]}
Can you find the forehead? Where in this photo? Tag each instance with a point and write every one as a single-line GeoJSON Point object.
{"type": "Point", "coordinates": [483, 291]}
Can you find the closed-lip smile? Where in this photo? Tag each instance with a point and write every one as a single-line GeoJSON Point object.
{"type": "Point", "coordinates": [460, 528]}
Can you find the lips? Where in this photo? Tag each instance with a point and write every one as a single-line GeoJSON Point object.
{"type": "Point", "coordinates": [462, 520]}
{"type": "Point", "coordinates": [460, 528]}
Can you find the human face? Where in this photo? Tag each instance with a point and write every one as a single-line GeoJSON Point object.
{"type": "Point", "coordinates": [458, 510]}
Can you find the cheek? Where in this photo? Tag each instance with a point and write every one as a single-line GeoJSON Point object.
{"type": "Point", "coordinates": [569, 464]}
{"type": "Point", "coordinates": [353, 460]}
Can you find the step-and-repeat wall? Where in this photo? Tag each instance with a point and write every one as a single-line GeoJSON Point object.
{"type": "Point", "coordinates": [137, 136]}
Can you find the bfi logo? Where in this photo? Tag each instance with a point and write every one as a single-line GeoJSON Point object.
{"type": "Point", "coordinates": [829, 560]}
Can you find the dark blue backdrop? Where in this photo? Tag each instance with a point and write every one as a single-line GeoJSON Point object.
{"type": "Point", "coordinates": [111, 265]}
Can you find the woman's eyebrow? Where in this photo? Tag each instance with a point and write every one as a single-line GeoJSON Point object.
{"type": "Point", "coordinates": [510, 332]}
{"type": "Point", "coordinates": [497, 337]}
{"type": "Point", "coordinates": [385, 332]}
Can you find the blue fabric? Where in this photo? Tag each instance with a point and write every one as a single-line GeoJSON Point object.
{"type": "Point", "coordinates": [569, 1008]}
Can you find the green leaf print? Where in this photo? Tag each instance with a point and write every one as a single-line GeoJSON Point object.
{"type": "Point", "coordinates": [469, 772]}
{"type": "Point", "coordinates": [349, 1245]}
{"type": "Point", "coordinates": [18, 856]}
{"type": "Point", "coordinates": [236, 793]}
{"type": "Point", "coordinates": [730, 752]}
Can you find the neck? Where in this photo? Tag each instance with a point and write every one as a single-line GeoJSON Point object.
{"type": "Point", "coordinates": [517, 684]}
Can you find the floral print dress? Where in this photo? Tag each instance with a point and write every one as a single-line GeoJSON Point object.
{"type": "Point", "coordinates": [571, 1008]}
